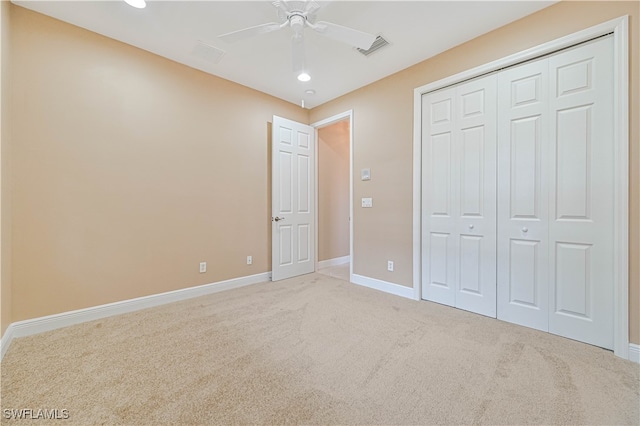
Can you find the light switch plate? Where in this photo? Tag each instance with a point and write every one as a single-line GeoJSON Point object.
{"type": "Point", "coordinates": [367, 202]}
{"type": "Point", "coordinates": [365, 174]}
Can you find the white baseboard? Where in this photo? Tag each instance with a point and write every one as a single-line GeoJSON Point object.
{"type": "Point", "coordinates": [333, 262]}
{"type": "Point", "coordinates": [65, 319]}
{"type": "Point", "coordinates": [6, 340]}
{"type": "Point", "coordinates": [387, 287]}
{"type": "Point", "coordinates": [634, 353]}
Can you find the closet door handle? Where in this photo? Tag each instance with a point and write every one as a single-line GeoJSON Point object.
{"type": "Point", "coordinates": [525, 229]}
{"type": "Point", "coordinates": [471, 226]}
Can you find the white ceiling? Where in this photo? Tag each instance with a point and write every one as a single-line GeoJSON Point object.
{"type": "Point", "coordinates": [416, 30]}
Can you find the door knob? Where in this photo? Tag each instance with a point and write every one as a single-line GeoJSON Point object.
{"type": "Point", "coordinates": [278, 219]}
{"type": "Point", "coordinates": [471, 226]}
{"type": "Point", "coordinates": [525, 229]}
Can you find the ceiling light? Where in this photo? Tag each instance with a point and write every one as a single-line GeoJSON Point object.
{"type": "Point", "coordinates": [138, 4]}
{"type": "Point", "coordinates": [310, 92]}
{"type": "Point", "coordinates": [304, 76]}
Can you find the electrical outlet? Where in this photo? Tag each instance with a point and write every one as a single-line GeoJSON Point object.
{"type": "Point", "coordinates": [390, 266]}
{"type": "Point", "coordinates": [203, 267]}
{"type": "Point", "coordinates": [249, 260]}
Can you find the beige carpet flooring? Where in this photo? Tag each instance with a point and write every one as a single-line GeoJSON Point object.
{"type": "Point", "coordinates": [315, 350]}
{"type": "Point", "coordinates": [337, 271]}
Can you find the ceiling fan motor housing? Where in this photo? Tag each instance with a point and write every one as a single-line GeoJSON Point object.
{"type": "Point", "coordinates": [297, 22]}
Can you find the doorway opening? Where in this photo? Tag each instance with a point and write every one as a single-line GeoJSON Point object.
{"type": "Point", "coordinates": [334, 196]}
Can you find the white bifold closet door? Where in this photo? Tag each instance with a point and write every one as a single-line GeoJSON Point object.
{"type": "Point", "coordinates": [459, 196]}
{"type": "Point", "coordinates": [555, 198]}
{"type": "Point", "coordinates": [517, 190]}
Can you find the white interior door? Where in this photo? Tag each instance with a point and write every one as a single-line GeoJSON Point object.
{"type": "Point", "coordinates": [523, 223]}
{"type": "Point", "coordinates": [475, 171]}
{"type": "Point", "coordinates": [293, 199]}
{"type": "Point", "coordinates": [439, 209]}
{"type": "Point", "coordinates": [459, 193]}
{"type": "Point", "coordinates": [581, 199]}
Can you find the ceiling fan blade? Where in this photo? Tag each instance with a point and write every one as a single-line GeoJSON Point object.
{"type": "Point", "coordinates": [311, 7]}
{"type": "Point", "coordinates": [281, 6]}
{"type": "Point", "coordinates": [297, 51]}
{"type": "Point", "coordinates": [250, 32]}
{"type": "Point", "coordinates": [344, 34]}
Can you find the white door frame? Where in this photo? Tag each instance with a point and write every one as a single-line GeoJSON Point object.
{"type": "Point", "coordinates": [620, 29]}
{"type": "Point", "coordinates": [318, 125]}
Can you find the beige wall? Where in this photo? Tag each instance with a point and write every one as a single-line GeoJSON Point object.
{"type": "Point", "coordinates": [5, 187]}
{"type": "Point", "coordinates": [333, 191]}
{"type": "Point", "coordinates": [129, 170]}
{"type": "Point", "coordinates": [383, 136]}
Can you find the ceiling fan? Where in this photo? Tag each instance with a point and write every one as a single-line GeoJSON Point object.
{"type": "Point", "coordinates": [297, 15]}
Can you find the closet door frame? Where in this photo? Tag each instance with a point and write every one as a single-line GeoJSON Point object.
{"type": "Point", "coordinates": [620, 29]}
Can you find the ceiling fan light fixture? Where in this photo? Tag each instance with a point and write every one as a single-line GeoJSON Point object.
{"type": "Point", "coordinates": [138, 4]}
{"type": "Point", "coordinates": [303, 76]}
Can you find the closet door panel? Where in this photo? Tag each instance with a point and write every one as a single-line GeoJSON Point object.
{"type": "Point", "coordinates": [476, 171]}
{"type": "Point", "coordinates": [440, 206]}
{"type": "Point", "coordinates": [581, 200]}
{"type": "Point", "coordinates": [472, 171]}
{"type": "Point", "coordinates": [522, 248]}
{"type": "Point", "coordinates": [459, 196]}
{"type": "Point", "coordinates": [524, 282]}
